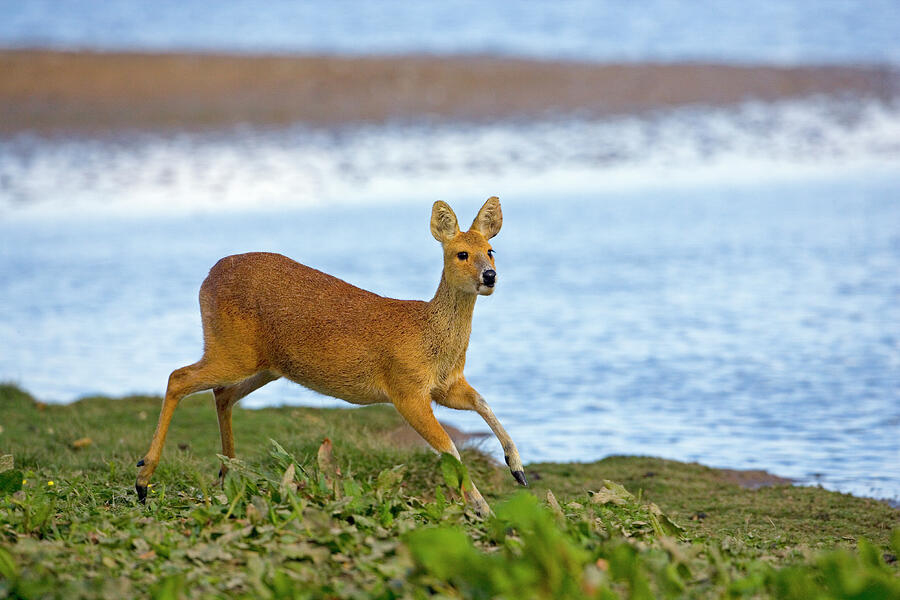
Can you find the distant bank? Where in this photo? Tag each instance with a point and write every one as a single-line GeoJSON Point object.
{"type": "Point", "coordinates": [86, 92]}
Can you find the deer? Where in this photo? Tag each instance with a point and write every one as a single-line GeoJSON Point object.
{"type": "Point", "coordinates": [266, 316]}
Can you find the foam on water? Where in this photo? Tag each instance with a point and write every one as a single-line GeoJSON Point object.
{"type": "Point", "coordinates": [301, 167]}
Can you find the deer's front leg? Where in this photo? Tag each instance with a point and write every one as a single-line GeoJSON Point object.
{"type": "Point", "coordinates": [463, 396]}
{"type": "Point", "coordinates": [417, 412]}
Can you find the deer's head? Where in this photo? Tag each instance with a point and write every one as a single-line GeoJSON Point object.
{"type": "Point", "coordinates": [468, 256]}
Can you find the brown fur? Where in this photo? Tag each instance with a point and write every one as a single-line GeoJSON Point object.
{"type": "Point", "coordinates": [266, 316]}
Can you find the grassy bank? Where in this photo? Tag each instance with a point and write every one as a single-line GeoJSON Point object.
{"type": "Point", "coordinates": [375, 518]}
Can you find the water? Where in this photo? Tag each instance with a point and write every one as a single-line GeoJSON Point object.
{"type": "Point", "coordinates": [768, 31]}
{"type": "Point", "coordinates": [714, 286]}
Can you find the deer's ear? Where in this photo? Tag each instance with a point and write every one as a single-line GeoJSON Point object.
{"type": "Point", "coordinates": [443, 222]}
{"type": "Point", "coordinates": [489, 218]}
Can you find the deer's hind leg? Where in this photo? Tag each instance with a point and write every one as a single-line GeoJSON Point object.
{"type": "Point", "coordinates": [226, 398]}
{"type": "Point", "coordinates": [202, 375]}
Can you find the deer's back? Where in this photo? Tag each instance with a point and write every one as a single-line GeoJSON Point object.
{"type": "Point", "coordinates": [307, 325]}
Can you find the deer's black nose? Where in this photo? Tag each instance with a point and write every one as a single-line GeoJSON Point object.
{"type": "Point", "coordinates": [489, 277]}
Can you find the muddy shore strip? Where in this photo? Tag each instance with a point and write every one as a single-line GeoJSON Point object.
{"type": "Point", "coordinates": [46, 91]}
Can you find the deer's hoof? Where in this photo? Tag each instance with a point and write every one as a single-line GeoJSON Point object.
{"type": "Point", "coordinates": [141, 492]}
{"type": "Point", "coordinates": [520, 477]}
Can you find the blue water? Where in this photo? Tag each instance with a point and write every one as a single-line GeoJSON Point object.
{"type": "Point", "coordinates": [768, 31]}
{"type": "Point", "coordinates": [739, 325]}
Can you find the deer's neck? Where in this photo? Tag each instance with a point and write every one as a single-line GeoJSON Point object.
{"type": "Point", "coordinates": [450, 320]}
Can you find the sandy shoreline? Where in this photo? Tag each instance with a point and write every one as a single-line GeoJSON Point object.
{"type": "Point", "coordinates": [86, 92]}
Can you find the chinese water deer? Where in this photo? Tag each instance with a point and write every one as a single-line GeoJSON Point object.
{"type": "Point", "coordinates": [266, 316]}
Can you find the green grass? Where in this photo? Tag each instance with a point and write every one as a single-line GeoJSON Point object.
{"type": "Point", "coordinates": [390, 524]}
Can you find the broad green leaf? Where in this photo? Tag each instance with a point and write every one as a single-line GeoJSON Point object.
{"type": "Point", "coordinates": [450, 471]}
{"type": "Point", "coordinates": [521, 510]}
{"type": "Point", "coordinates": [456, 475]}
{"type": "Point", "coordinates": [869, 554]}
{"type": "Point", "coordinates": [170, 588]}
{"type": "Point", "coordinates": [444, 552]}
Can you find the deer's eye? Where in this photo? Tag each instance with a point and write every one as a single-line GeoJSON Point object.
{"type": "Point", "coordinates": [491, 253]}
{"type": "Point", "coordinates": [463, 256]}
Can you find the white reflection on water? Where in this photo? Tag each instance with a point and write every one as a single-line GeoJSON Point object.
{"type": "Point", "coordinates": [296, 167]}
